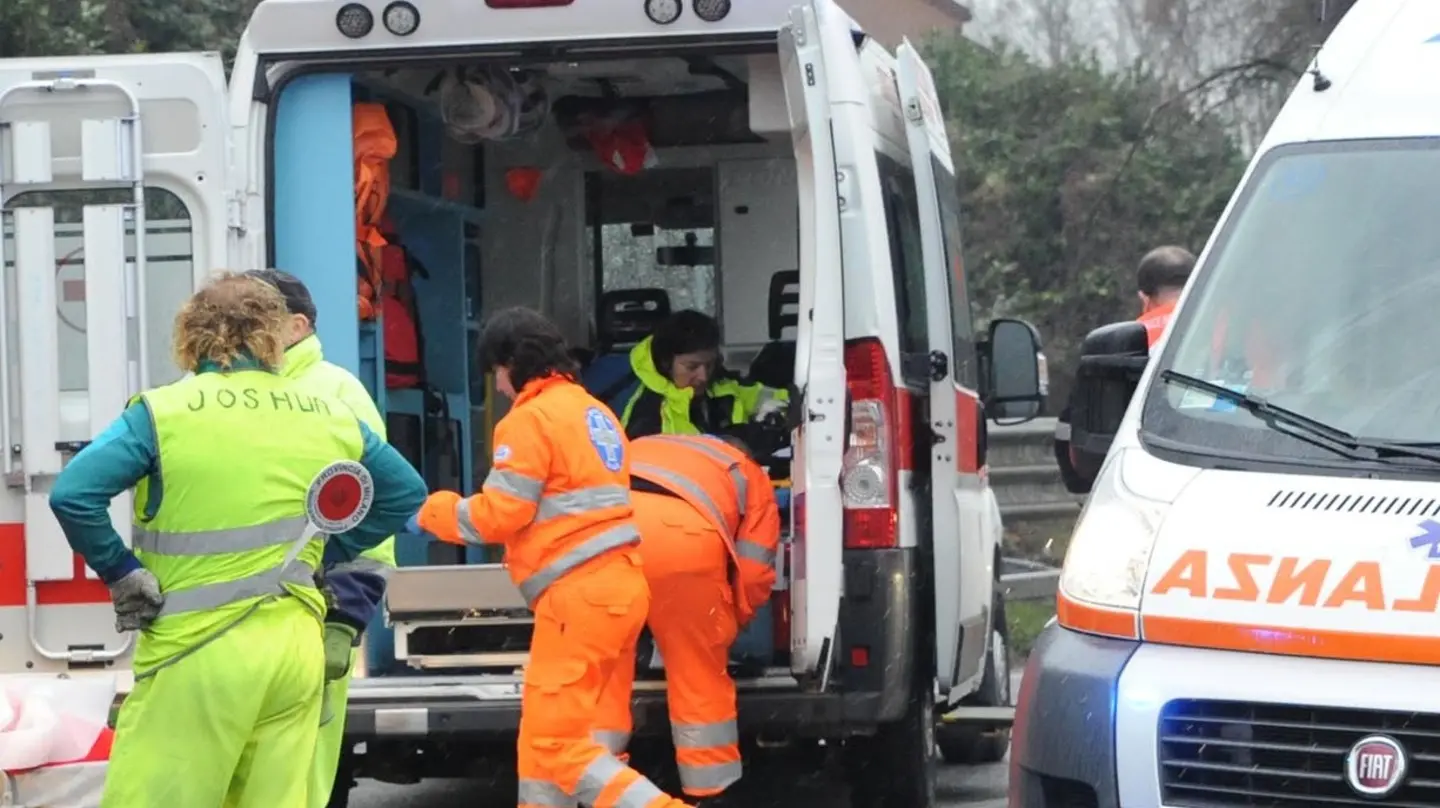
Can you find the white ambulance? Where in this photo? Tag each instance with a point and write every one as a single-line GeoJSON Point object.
{"type": "Point", "coordinates": [1248, 608]}
{"type": "Point", "coordinates": [798, 186]}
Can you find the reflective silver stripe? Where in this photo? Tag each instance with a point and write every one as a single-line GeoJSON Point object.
{"type": "Point", "coordinates": [515, 484]}
{"type": "Point", "coordinates": [701, 444]}
{"type": "Point", "coordinates": [705, 736]}
{"type": "Point", "coordinates": [467, 527]}
{"type": "Point", "coordinates": [710, 446]}
{"type": "Point", "coordinates": [213, 596]}
{"type": "Point", "coordinates": [742, 489]}
{"type": "Point", "coordinates": [362, 564]}
{"type": "Point", "coordinates": [621, 535]}
{"type": "Point", "coordinates": [639, 794]}
{"type": "Point", "coordinates": [596, 776]}
{"type": "Point", "coordinates": [754, 552]}
{"type": "Point", "coordinates": [601, 771]}
{"type": "Point", "coordinates": [711, 778]}
{"type": "Point", "coordinates": [214, 542]}
{"type": "Point", "coordinates": [665, 476]}
{"type": "Point", "coordinates": [613, 739]}
{"type": "Point", "coordinates": [582, 500]}
{"type": "Point", "coordinates": [539, 792]}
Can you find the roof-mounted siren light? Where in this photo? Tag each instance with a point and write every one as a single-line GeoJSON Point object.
{"type": "Point", "coordinates": [712, 10]}
{"type": "Point", "coordinates": [662, 12]}
{"type": "Point", "coordinates": [354, 20]}
{"type": "Point", "coordinates": [401, 18]}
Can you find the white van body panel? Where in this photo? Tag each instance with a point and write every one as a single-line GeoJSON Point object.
{"type": "Point", "coordinates": [105, 287]}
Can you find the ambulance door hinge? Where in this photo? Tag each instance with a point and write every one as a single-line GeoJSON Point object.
{"type": "Point", "coordinates": [235, 210]}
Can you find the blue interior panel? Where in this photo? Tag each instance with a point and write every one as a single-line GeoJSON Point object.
{"type": "Point", "coordinates": [314, 207]}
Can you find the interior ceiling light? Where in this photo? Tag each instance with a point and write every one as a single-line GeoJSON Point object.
{"type": "Point", "coordinates": [712, 10]}
{"type": "Point", "coordinates": [662, 12]}
{"type": "Point", "coordinates": [401, 19]}
{"type": "Point", "coordinates": [354, 20]}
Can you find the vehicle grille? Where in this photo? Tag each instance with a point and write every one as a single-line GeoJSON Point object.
{"type": "Point", "coordinates": [1226, 753]}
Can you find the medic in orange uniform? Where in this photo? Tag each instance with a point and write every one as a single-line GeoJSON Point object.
{"type": "Point", "coordinates": [709, 527]}
{"type": "Point", "coordinates": [558, 497]}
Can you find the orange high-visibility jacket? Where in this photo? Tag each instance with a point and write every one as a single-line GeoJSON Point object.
{"type": "Point", "coordinates": [1156, 320]}
{"type": "Point", "coordinates": [720, 482]}
{"type": "Point", "coordinates": [558, 491]}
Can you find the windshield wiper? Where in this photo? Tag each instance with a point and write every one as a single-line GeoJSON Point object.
{"type": "Point", "coordinates": [1303, 427]}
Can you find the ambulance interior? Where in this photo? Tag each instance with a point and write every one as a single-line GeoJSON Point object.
{"type": "Point", "coordinates": [693, 207]}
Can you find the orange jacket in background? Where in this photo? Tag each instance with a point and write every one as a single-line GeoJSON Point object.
{"type": "Point", "coordinates": [718, 480]}
{"type": "Point", "coordinates": [1156, 320]}
{"type": "Point", "coordinates": [374, 144]}
{"type": "Point", "coordinates": [558, 491]}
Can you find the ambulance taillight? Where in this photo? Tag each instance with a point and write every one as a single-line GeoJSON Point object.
{"type": "Point", "coordinates": [869, 474]}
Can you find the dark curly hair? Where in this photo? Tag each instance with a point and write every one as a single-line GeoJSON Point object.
{"type": "Point", "coordinates": [528, 344]}
{"type": "Point", "coordinates": [683, 332]}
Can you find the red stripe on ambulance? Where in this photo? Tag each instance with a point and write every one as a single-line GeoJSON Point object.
{"type": "Point", "coordinates": [82, 590]}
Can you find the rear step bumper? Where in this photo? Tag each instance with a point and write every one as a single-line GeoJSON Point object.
{"type": "Point", "coordinates": [428, 708]}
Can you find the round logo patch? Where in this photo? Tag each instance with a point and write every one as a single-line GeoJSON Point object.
{"type": "Point", "coordinates": [606, 439]}
{"type": "Point", "coordinates": [340, 496]}
{"type": "Point", "coordinates": [502, 453]}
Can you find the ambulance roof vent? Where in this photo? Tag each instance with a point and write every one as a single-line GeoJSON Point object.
{"type": "Point", "coordinates": [1355, 503]}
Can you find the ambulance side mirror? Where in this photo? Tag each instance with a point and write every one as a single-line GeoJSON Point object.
{"type": "Point", "coordinates": [1112, 359]}
{"type": "Point", "coordinates": [1013, 372]}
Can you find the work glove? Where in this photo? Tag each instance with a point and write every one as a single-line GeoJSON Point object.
{"type": "Point", "coordinates": [137, 600]}
{"type": "Point", "coordinates": [771, 407]}
{"type": "Point", "coordinates": [339, 639]}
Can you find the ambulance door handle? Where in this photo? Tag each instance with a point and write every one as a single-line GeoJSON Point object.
{"type": "Point", "coordinates": [72, 446]}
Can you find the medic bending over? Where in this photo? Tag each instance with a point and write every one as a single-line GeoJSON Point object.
{"type": "Point", "coordinates": [230, 664]}
{"type": "Point", "coordinates": [558, 497]}
{"type": "Point", "coordinates": [709, 527]}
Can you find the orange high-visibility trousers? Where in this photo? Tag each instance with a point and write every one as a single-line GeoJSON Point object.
{"type": "Point", "coordinates": [692, 616]}
{"type": "Point", "coordinates": [586, 626]}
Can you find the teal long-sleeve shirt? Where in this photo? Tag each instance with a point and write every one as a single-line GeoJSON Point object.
{"type": "Point", "coordinates": [127, 451]}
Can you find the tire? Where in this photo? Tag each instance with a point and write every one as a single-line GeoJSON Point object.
{"type": "Point", "coordinates": [896, 767]}
{"type": "Point", "coordinates": [966, 745]}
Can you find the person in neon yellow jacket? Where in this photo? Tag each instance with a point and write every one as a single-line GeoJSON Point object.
{"type": "Point", "coordinates": [229, 665]}
{"type": "Point", "coordinates": [357, 587]}
{"type": "Point", "coordinates": [681, 387]}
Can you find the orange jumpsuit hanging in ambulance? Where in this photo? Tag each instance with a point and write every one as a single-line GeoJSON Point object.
{"type": "Point", "coordinates": [558, 497]}
{"type": "Point", "coordinates": [709, 527]}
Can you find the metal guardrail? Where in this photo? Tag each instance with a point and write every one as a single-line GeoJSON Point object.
{"type": "Point", "coordinates": [1022, 579]}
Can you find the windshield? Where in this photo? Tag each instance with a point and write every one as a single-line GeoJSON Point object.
{"type": "Point", "coordinates": [1321, 295]}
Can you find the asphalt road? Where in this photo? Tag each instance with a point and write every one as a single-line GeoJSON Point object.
{"type": "Point", "coordinates": [960, 787]}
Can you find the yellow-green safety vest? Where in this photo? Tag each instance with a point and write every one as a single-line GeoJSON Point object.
{"type": "Point", "coordinates": [236, 455]}
{"type": "Point", "coordinates": [305, 363]}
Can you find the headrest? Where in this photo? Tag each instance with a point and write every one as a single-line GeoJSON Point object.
{"type": "Point", "coordinates": [784, 302]}
{"type": "Point", "coordinates": [630, 315]}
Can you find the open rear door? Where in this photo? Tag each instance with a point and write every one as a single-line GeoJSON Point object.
{"type": "Point", "coordinates": [818, 33]}
{"type": "Point", "coordinates": [961, 568]}
{"type": "Point", "coordinates": [112, 187]}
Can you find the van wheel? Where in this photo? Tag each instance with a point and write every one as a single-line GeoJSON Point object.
{"type": "Point", "coordinates": [896, 767]}
{"type": "Point", "coordinates": [961, 744]}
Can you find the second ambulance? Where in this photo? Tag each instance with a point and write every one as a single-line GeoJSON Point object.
{"type": "Point", "coordinates": [1247, 613]}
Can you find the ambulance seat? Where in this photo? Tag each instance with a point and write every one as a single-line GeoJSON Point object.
{"type": "Point", "coordinates": [774, 365]}
{"type": "Point", "coordinates": [626, 317]}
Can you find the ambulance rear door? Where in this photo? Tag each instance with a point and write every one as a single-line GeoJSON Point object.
{"type": "Point", "coordinates": [963, 559]}
{"type": "Point", "coordinates": [113, 185]}
{"type": "Point", "coordinates": [814, 48]}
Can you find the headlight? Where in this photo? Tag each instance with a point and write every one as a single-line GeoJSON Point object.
{"type": "Point", "coordinates": [1110, 549]}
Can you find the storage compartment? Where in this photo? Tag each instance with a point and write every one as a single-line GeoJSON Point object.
{"type": "Point", "coordinates": [622, 190]}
